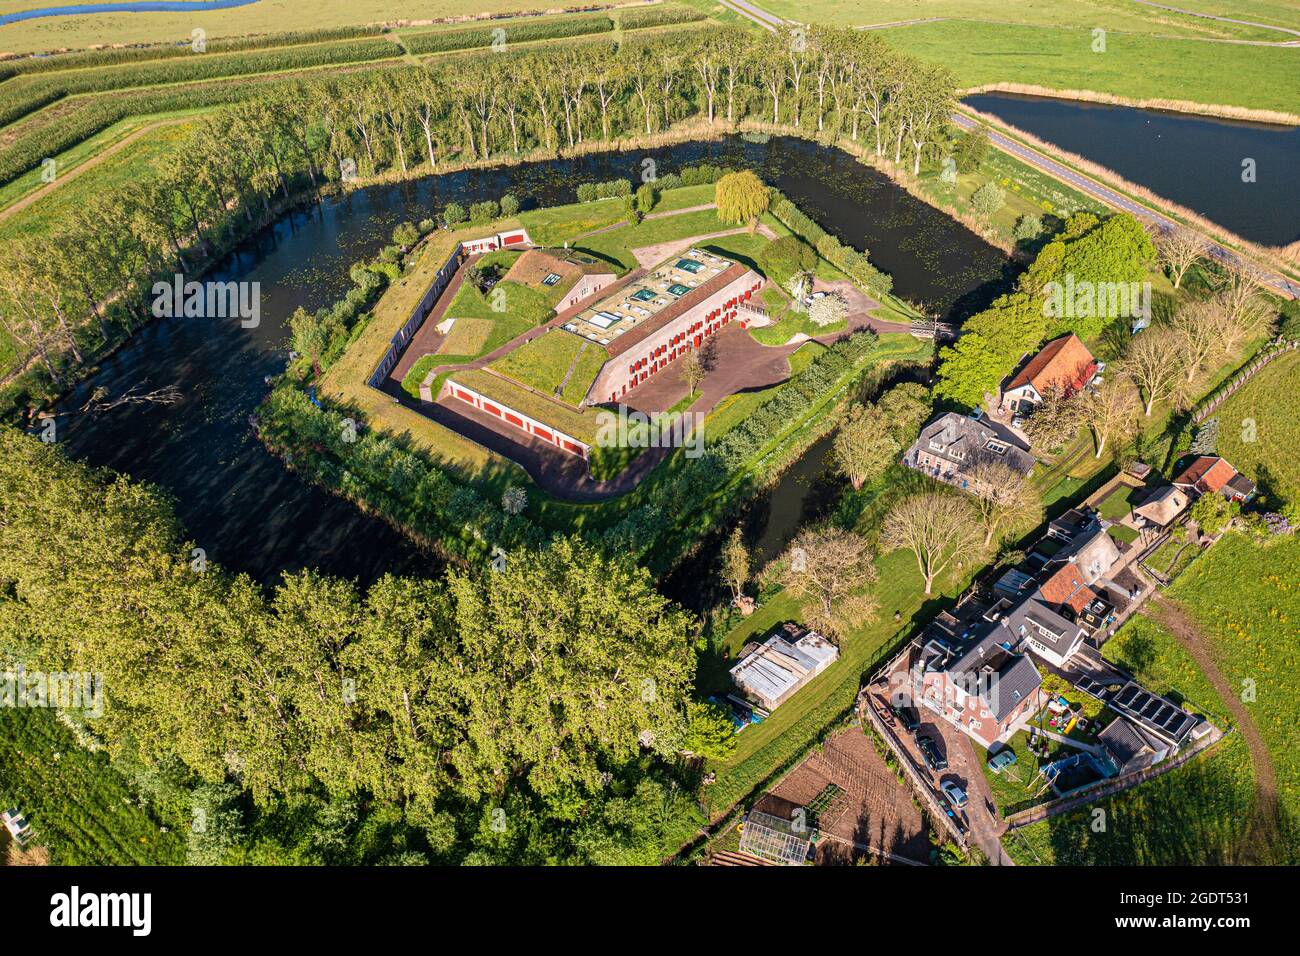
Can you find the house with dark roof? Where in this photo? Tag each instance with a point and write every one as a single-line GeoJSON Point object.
{"type": "Point", "coordinates": [1129, 748]}
{"type": "Point", "coordinates": [950, 447]}
{"type": "Point", "coordinates": [1035, 627]}
{"type": "Point", "coordinates": [1062, 365]}
{"type": "Point", "coordinates": [1210, 473]}
{"type": "Point", "coordinates": [988, 692]}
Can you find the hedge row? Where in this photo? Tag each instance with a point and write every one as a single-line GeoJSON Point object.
{"type": "Point", "coordinates": [852, 263]}
{"type": "Point", "coordinates": [136, 54]}
{"type": "Point", "coordinates": [196, 67]}
{"type": "Point", "coordinates": [98, 114]}
{"type": "Point", "coordinates": [17, 101]}
{"type": "Point", "coordinates": [442, 41]}
{"type": "Point", "coordinates": [658, 17]}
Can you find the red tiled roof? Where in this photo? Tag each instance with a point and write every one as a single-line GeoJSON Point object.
{"type": "Point", "coordinates": [1065, 588]}
{"type": "Point", "coordinates": [1207, 474]}
{"type": "Point", "coordinates": [1061, 363]}
{"type": "Point", "coordinates": [674, 310]}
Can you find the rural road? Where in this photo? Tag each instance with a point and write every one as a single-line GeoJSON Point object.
{"type": "Point", "coordinates": [746, 9]}
{"type": "Point", "coordinates": [1116, 200]}
{"type": "Point", "coordinates": [1209, 16]}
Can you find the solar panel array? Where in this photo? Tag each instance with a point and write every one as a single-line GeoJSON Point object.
{"type": "Point", "coordinates": [1152, 711]}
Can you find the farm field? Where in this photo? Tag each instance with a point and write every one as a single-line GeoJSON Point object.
{"type": "Point", "coordinates": [264, 16]}
{"type": "Point", "coordinates": [79, 807]}
{"type": "Point", "coordinates": [1259, 431]}
{"type": "Point", "coordinates": [1111, 14]}
{"type": "Point", "coordinates": [1137, 67]}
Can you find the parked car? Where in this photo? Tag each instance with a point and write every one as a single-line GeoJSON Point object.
{"type": "Point", "coordinates": [933, 759]}
{"type": "Point", "coordinates": [1001, 760]}
{"type": "Point", "coordinates": [953, 794]}
{"type": "Point", "coordinates": [909, 716]}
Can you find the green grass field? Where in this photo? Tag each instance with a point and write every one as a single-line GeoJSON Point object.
{"type": "Point", "coordinates": [1137, 67]}
{"type": "Point", "coordinates": [1246, 598]}
{"type": "Point", "coordinates": [544, 362]}
{"type": "Point", "coordinates": [79, 807]}
{"type": "Point", "coordinates": [1121, 15]}
{"type": "Point", "coordinates": [1259, 430]}
{"type": "Point", "coordinates": [134, 163]}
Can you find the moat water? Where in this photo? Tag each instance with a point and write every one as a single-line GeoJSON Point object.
{"type": "Point", "coordinates": [252, 515]}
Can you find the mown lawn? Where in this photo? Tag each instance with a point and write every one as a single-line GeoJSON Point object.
{"type": "Point", "coordinates": [79, 807]}
{"type": "Point", "coordinates": [616, 245]}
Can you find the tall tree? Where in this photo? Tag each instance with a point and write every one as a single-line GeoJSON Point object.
{"type": "Point", "coordinates": [864, 445]}
{"type": "Point", "coordinates": [936, 526]}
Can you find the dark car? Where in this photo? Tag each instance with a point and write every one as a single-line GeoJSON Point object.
{"type": "Point", "coordinates": [933, 759]}
{"type": "Point", "coordinates": [908, 716]}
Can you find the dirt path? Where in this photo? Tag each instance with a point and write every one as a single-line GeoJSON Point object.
{"type": "Point", "coordinates": [88, 165]}
{"type": "Point", "coordinates": [1264, 828]}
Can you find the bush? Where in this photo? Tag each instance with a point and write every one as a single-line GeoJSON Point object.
{"type": "Point", "coordinates": [427, 225]}
{"type": "Point", "coordinates": [646, 197]}
{"type": "Point", "coordinates": [1028, 227]}
{"type": "Point", "coordinates": [987, 200]}
{"type": "Point", "coordinates": [453, 214]}
{"type": "Point", "coordinates": [586, 192]}
{"type": "Point", "coordinates": [438, 41]}
{"type": "Point", "coordinates": [856, 265]}
{"type": "Point", "coordinates": [509, 205]}
{"type": "Point", "coordinates": [638, 19]}
{"type": "Point", "coordinates": [481, 212]}
{"type": "Point", "coordinates": [784, 258]}
{"type": "Point", "coordinates": [406, 235]}
{"type": "Point", "coordinates": [614, 189]}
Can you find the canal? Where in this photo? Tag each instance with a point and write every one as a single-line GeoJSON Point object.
{"type": "Point", "coordinates": [1240, 175]}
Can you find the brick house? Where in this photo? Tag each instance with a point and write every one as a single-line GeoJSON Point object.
{"type": "Point", "coordinates": [1063, 364]}
{"type": "Point", "coordinates": [1210, 473]}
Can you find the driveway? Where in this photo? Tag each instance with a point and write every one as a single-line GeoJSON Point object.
{"type": "Point", "coordinates": [965, 768]}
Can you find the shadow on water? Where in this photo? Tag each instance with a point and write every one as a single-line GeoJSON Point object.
{"type": "Point", "coordinates": [251, 515]}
